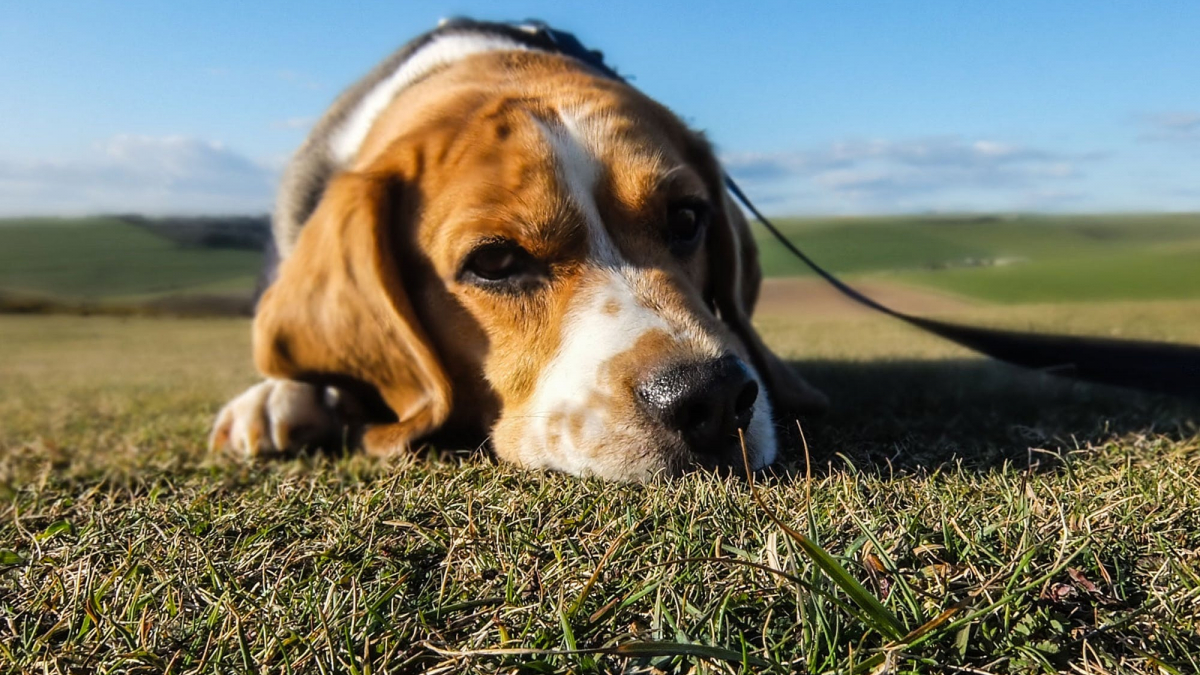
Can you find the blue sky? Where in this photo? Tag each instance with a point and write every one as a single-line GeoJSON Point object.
{"type": "Point", "coordinates": [819, 107]}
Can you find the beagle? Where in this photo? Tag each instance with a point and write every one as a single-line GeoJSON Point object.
{"type": "Point", "coordinates": [487, 236]}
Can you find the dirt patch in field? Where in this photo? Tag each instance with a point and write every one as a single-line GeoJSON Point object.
{"type": "Point", "coordinates": [815, 297]}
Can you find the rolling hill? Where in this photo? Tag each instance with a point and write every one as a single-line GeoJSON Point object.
{"type": "Point", "coordinates": [995, 259]}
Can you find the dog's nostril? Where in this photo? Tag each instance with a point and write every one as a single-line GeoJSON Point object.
{"type": "Point", "coordinates": [697, 420]}
{"type": "Point", "coordinates": [743, 405]}
{"type": "Point", "coordinates": [691, 416]}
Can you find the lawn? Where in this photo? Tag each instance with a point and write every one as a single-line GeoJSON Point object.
{"type": "Point", "coordinates": [1031, 524]}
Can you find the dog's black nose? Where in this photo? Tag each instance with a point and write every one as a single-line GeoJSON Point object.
{"type": "Point", "coordinates": [706, 401]}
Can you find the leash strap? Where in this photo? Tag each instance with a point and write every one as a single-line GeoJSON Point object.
{"type": "Point", "coordinates": [1150, 366]}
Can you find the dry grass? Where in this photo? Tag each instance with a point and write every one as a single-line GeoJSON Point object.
{"type": "Point", "coordinates": [1062, 521]}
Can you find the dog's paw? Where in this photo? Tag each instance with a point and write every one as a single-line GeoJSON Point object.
{"type": "Point", "coordinates": [280, 416]}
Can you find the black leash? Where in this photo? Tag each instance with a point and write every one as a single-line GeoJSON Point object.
{"type": "Point", "coordinates": [1149, 366]}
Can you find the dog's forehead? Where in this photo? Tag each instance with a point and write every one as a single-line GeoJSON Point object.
{"type": "Point", "coordinates": [550, 172]}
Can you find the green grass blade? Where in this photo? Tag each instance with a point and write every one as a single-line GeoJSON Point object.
{"type": "Point", "coordinates": [880, 618]}
{"type": "Point", "coordinates": [652, 649]}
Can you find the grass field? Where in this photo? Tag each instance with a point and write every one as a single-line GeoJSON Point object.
{"type": "Point", "coordinates": [1010, 522]}
{"type": "Point", "coordinates": [1051, 526]}
{"type": "Point", "coordinates": [1018, 259]}
{"type": "Point", "coordinates": [995, 259]}
{"type": "Point", "coordinates": [104, 258]}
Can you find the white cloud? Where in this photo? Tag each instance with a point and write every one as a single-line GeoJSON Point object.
{"type": "Point", "coordinates": [299, 79]}
{"type": "Point", "coordinates": [939, 173]}
{"type": "Point", "coordinates": [181, 175]}
{"type": "Point", "coordinates": [301, 123]}
{"type": "Point", "coordinates": [1170, 127]}
{"type": "Point", "coordinates": [145, 174]}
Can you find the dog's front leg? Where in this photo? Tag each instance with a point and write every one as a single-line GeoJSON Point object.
{"type": "Point", "coordinates": [280, 416]}
{"type": "Point", "coordinates": [389, 440]}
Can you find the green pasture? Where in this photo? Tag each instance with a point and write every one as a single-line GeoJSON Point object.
{"type": "Point", "coordinates": [1006, 259]}
{"type": "Point", "coordinates": [105, 258]}
{"type": "Point", "coordinates": [992, 258]}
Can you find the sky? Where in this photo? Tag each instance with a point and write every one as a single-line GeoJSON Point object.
{"type": "Point", "coordinates": [816, 107]}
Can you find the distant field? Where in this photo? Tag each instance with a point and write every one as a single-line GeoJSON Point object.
{"type": "Point", "coordinates": [993, 259]}
{"type": "Point", "coordinates": [105, 258]}
{"type": "Point", "coordinates": [1021, 259]}
{"type": "Point", "coordinates": [1138, 273]}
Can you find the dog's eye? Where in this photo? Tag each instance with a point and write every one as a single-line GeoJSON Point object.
{"type": "Point", "coordinates": [501, 265]}
{"type": "Point", "coordinates": [686, 222]}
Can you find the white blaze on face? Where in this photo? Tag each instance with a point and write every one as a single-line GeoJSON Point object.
{"type": "Point", "coordinates": [571, 424]}
{"type": "Point", "coordinates": [570, 412]}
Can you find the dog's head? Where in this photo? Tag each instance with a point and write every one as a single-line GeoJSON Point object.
{"type": "Point", "coordinates": [548, 255]}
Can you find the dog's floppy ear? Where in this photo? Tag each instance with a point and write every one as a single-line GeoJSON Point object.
{"type": "Point", "coordinates": [338, 308]}
{"type": "Point", "coordinates": [736, 278]}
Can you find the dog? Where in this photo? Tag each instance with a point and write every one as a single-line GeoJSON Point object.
{"type": "Point", "coordinates": [487, 236]}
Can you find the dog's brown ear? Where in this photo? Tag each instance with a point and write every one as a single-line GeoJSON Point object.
{"type": "Point", "coordinates": [338, 308]}
{"type": "Point", "coordinates": [736, 278]}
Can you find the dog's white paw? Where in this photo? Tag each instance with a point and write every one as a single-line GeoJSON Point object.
{"type": "Point", "coordinates": [277, 416]}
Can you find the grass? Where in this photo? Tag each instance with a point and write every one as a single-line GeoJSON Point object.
{"type": "Point", "coordinates": [1060, 522]}
{"type": "Point", "coordinates": [1045, 258]}
{"type": "Point", "coordinates": [1041, 258]}
{"type": "Point", "coordinates": [1150, 274]}
{"type": "Point", "coordinates": [104, 258]}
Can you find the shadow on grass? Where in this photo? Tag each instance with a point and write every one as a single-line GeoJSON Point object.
{"type": "Point", "coordinates": [917, 415]}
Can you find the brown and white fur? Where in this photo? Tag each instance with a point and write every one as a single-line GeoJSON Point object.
{"type": "Point", "coordinates": [477, 142]}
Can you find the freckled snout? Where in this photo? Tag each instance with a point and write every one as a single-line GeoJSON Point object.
{"type": "Point", "coordinates": [705, 402]}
